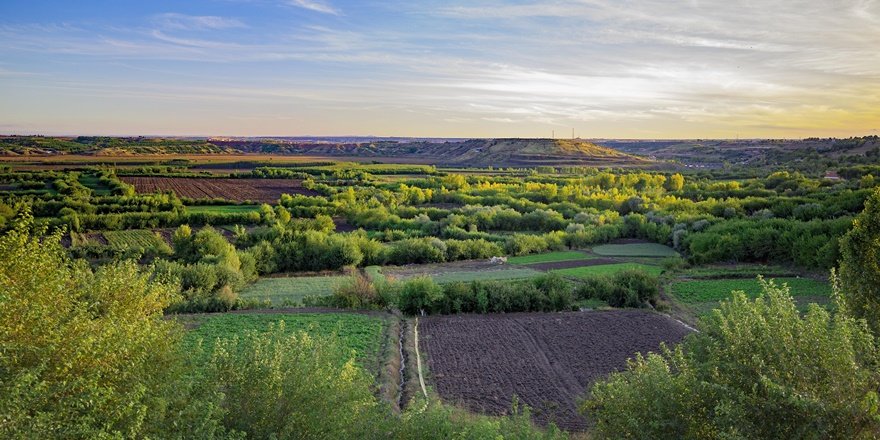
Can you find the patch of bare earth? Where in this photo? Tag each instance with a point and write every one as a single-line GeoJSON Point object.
{"type": "Point", "coordinates": [548, 360]}
{"type": "Point", "coordinates": [239, 190]}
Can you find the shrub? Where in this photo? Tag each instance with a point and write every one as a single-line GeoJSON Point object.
{"type": "Point", "coordinates": [419, 295]}
{"type": "Point", "coordinates": [757, 369]}
{"type": "Point", "coordinates": [628, 288]}
{"type": "Point", "coordinates": [418, 251]}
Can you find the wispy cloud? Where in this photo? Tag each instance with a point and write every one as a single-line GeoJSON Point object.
{"type": "Point", "coordinates": [177, 21]}
{"type": "Point", "coordinates": [315, 5]}
{"type": "Point", "coordinates": [648, 68]}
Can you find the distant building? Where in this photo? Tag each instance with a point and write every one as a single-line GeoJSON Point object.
{"type": "Point", "coordinates": [832, 175]}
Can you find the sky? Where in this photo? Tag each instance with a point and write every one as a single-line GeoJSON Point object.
{"type": "Point", "coordinates": [603, 68]}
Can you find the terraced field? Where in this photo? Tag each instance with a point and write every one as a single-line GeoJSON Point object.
{"type": "Point", "coordinates": [361, 333]}
{"type": "Point", "coordinates": [134, 238]}
{"type": "Point", "coordinates": [635, 250]}
{"type": "Point", "coordinates": [606, 269]}
{"type": "Point", "coordinates": [291, 290]}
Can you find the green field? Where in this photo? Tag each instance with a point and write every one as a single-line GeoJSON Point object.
{"type": "Point", "coordinates": [606, 269]}
{"type": "Point", "coordinates": [549, 257]}
{"type": "Point", "coordinates": [374, 273]}
{"type": "Point", "coordinates": [635, 250]}
{"type": "Point", "coordinates": [134, 238]}
{"type": "Point", "coordinates": [484, 275]}
{"type": "Point", "coordinates": [92, 182]}
{"type": "Point", "coordinates": [363, 334]}
{"type": "Point", "coordinates": [220, 209]}
{"type": "Point", "coordinates": [715, 290]}
{"type": "Point", "coordinates": [738, 271]}
{"type": "Point", "coordinates": [291, 290]}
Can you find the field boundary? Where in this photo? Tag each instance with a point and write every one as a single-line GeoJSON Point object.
{"type": "Point", "coordinates": [419, 358]}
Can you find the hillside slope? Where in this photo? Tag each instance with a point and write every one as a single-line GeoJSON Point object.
{"type": "Point", "coordinates": [472, 152]}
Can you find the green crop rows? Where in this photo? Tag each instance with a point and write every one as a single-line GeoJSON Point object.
{"type": "Point", "coordinates": [291, 290]}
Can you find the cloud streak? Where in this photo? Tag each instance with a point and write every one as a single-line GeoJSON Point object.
{"type": "Point", "coordinates": [176, 21]}
{"type": "Point", "coordinates": [647, 68]}
{"type": "Point", "coordinates": [315, 5]}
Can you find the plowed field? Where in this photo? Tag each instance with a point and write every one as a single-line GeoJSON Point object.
{"type": "Point", "coordinates": [258, 190]}
{"type": "Point", "coordinates": [548, 360]}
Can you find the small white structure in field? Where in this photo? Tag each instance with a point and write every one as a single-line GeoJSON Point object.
{"type": "Point", "coordinates": [498, 260]}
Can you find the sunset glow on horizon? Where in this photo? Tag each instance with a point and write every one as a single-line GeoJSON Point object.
{"type": "Point", "coordinates": [607, 69]}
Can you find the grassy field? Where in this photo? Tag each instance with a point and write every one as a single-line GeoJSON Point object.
{"type": "Point", "coordinates": [715, 290]}
{"type": "Point", "coordinates": [738, 271]}
{"type": "Point", "coordinates": [606, 269]}
{"type": "Point", "coordinates": [134, 238]}
{"type": "Point", "coordinates": [291, 290]}
{"type": "Point", "coordinates": [635, 250]}
{"type": "Point", "coordinates": [480, 275]}
{"type": "Point", "coordinates": [374, 273]}
{"type": "Point", "coordinates": [220, 209]}
{"type": "Point", "coordinates": [549, 257]}
{"type": "Point", "coordinates": [91, 182]}
{"type": "Point", "coordinates": [362, 334]}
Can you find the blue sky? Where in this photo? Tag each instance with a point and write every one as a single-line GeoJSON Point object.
{"type": "Point", "coordinates": [624, 69]}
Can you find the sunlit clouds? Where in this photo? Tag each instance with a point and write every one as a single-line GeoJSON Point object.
{"type": "Point", "coordinates": [645, 69]}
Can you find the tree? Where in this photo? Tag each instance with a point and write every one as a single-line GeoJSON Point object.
{"type": "Point", "coordinates": [860, 264]}
{"type": "Point", "coordinates": [757, 369]}
{"type": "Point", "coordinates": [86, 354]}
{"type": "Point", "coordinates": [674, 183]}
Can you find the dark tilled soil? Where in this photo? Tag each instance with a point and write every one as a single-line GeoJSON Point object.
{"type": "Point", "coordinates": [548, 360]}
{"type": "Point", "coordinates": [342, 225]}
{"type": "Point", "coordinates": [569, 264]}
{"type": "Point", "coordinates": [258, 190]}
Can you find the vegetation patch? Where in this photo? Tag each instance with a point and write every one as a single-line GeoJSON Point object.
{"type": "Point", "coordinates": [362, 334]}
{"type": "Point", "coordinates": [134, 238]}
{"type": "Point", "coordinates": [635, 250]}
{"type": "Point", "coordinates": [606, 269]}
{"type": "Point", "coordinates": [698, 291]}
{"type": "Point", "coordinates": [467, 276]}
{"type": "Point", "coordinates": [549, 257]}
{"type": "Point", "coordinates": [291, 290]}
{"type": "Point", "coordinates": [221, 209]}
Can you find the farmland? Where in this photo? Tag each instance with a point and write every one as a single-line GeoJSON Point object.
{"type": "Point", "coordinates": [239, 190]}
{"type": "Point", "coordinates": [464, 271]}
{"type": "Point", "coordinates": [282, 291]}
{"type": "Point", "coordinates": [634, 250]}
{"type": "Point", "coordinates": [546, 360]}
{"type": "Point", "coordinates": [595, 260]}
{"type": "Point", "coordinates": [134, 238]}
{"type": "Point", "coordinates": [549, 257]}
{"type": "Point", "coordinates": [221, 209]}
{"type": "Point", "coordinates": [703, 295]}
{"type": "Point", "coordinates": [606, 269]}
{"type": "Point", "coordinates": [363, 334]}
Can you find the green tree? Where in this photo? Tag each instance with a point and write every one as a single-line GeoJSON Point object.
{"type": "Point", "coordinates": [757, 369]}
{"type": "Point", "coordinates": [86, 354]}
{"type": "Point", "coordinates": [675, 182]}
{"type": "Point", "coordinates": [860, 264]}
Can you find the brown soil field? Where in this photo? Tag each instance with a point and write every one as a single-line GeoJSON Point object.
{"type": "Point", "coordinates": [342, 225]}
{"type": "Point", "coordinates": [553, 265]}
{"type": "Point", "coordinates": [548, 360]}
{"type": "Point", "coordinates": [258, 190]}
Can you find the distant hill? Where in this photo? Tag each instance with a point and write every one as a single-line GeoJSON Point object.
{"type": "Point", "coordinates": [811, 154]}
{"type": "Point", "coordinates": [472, 152]}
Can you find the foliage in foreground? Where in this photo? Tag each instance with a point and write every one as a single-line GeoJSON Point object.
{"type": "Point", "coordinates": [757, 369]}
{"type": "Point", "coordinates": [860, 264]}
{"type": "Point", "coordinates": [86, 354]}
